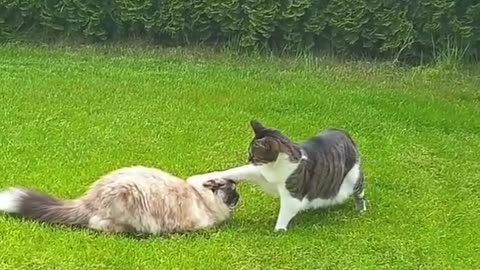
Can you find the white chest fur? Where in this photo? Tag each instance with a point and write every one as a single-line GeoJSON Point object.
{"type": "Point", "coordinates": [278, 172]}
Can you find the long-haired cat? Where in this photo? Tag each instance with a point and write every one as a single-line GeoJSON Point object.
{"type": "Point", "coordinates": [323, 171]}
{"type": "Point", "coordinates": [132, 200]}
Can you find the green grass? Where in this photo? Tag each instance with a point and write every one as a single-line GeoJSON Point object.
{"type": "Point", "coordinates": [69, 115]}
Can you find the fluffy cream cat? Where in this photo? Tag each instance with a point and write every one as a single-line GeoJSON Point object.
{"type": "Point", "coordinates": [135, 200]}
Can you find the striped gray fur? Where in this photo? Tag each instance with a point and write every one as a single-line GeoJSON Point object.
{"type": "Point", "coordinates": [330, 156]}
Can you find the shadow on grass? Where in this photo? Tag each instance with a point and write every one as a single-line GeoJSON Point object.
{"type": "Point", "coordinates": [262, 223]}
{"type": "Point", "coordinates": [132, 235]}
{"type": "Point", "coordinates": [314, 218]}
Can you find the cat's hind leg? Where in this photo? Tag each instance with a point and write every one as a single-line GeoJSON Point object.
{"type": "Point", "coordinates": [106, 225]}
{"type": "Point", "coordinates": [359, 193]}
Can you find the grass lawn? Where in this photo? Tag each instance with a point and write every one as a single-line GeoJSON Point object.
{"type": "Point", "coordinates": [67, 116]}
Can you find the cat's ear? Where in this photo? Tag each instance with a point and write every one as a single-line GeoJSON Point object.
{"type": "Point", "coordinates": [261, 143]}
{"type": "Point", "coordinates": [257, 127]}
{"type": "Point", "coordinates": [214, 184]}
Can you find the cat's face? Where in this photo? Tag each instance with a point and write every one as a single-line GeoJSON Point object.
{"type": "Point", "coordinates": [267, 145]}
{"type": "Point", "coordinates": [262, 151]}
{"type": "Point", "coordinates": [224, 189]}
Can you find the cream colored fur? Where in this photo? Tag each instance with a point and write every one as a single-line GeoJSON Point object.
{"type": "Point", "coordinates": [140, 199]}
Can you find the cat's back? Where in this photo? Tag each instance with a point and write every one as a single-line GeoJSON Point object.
{"type": "Point", "coordinates": [147, 199]}
{"type": "Point", "coordinates": [330, 156]}
{"type": "Point", "coordinates": [141, 177]}
{"type": "Point", "coordinates": [330, 138]}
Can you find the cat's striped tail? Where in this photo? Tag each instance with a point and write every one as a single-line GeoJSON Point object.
{"type": "Point", "coordinates": [37, 206]}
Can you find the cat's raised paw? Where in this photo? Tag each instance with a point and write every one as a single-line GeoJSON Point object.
{"type": "Point", "coordinates": [200, 178]}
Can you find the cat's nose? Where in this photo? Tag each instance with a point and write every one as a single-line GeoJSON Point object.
{"type": "Point", "coordinates": [236, 199]}
{"type": "Point", "coordinates": [233, 199]}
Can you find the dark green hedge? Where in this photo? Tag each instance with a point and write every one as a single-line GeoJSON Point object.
{"type": "Point", "coordinates": [409, 28]}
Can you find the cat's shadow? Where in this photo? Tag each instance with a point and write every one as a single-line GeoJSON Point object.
{"type": "Point", "coordinates": [262, 222]}
{"type": "Point", "coordinates": [323, 217]}
{"type": "Point", "coordinates": [333, 216]}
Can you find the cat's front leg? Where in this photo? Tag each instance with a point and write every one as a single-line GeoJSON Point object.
{"type": "Point", "coordinates": [246, 172]}
{"type": "Point", "coordinates": [289, 207]}
{"type": "Point", "coordinates": [249, 173]}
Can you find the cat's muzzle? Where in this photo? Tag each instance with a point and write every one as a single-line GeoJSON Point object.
{"type": "Point", "coordinates": [232, 199]}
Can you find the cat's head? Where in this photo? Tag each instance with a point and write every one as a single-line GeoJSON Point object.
{"type": "Point", "coordinates": [224, 189]}
{"type": "Point", "coordinates": [268, 144]}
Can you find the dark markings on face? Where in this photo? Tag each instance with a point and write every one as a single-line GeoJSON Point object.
{"type": "Point", "coordinates": [225, 188]}
{"type": "Point", "coordinates": [268, 143]}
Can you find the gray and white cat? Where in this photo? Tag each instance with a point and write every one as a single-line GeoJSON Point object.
{"type": "Point", "coordinates": [324, 171]}
{"type": "Point", "coordinates": [132, 200]}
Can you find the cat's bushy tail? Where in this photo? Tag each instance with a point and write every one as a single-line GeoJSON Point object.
{"type": "Point", "coordinates": [37, 206]}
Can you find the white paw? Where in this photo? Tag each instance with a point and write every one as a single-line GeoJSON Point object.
{"type": "Point", "coordinates": [362, 206]}
{"type": "Point", "coordinates": [280, 229]}
{"type": "Point", "coordinates": [200, 178]}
